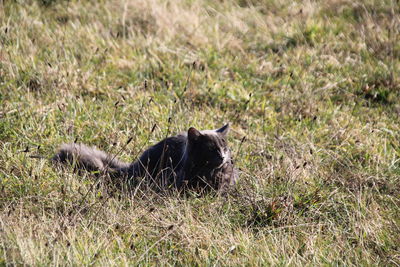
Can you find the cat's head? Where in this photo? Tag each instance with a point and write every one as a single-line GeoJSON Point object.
{"type": "Point", "coordinates": [209, 147]}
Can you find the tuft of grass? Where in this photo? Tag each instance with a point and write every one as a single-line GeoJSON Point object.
{"type": "Point", "coordinates": [310, 88]}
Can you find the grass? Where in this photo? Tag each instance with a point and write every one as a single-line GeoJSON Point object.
{"type": "Point", "coordinates": [312, 93]}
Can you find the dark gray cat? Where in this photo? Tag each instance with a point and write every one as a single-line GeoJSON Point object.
{"type": "Point", "coordinates": [194, 160]}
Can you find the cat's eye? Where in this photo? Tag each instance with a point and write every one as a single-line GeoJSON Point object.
{"type": "Point", "coordinates": [214, 150]}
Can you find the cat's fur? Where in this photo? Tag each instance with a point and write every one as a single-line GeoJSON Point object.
{"type": "Point", "coordinates": [195, 160]}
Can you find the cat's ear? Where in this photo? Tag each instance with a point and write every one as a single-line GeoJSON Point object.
{"type": "Point", "coordinates": [223, 130]}
{"type": "Point", "coordinates": [193, 133]}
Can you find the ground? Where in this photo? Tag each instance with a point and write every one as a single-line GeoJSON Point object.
{"type": "Point", "coordinates": [312, 92]}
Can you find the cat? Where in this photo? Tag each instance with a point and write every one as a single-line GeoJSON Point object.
{"type": "Point", "coordinates": [197, 160]}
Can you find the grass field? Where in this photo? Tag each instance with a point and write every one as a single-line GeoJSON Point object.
{"type": "Point", "coordinates": [312, 92]}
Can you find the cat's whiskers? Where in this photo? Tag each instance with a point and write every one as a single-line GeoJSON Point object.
{"type": "Point", "coordinates": [225, 157]}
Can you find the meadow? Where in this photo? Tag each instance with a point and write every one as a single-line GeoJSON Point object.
{"type": "Point", "coordinates": [311, 90]}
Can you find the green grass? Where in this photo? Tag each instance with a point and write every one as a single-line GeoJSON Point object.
{"type": "Point", "coordinates": [313, 87]}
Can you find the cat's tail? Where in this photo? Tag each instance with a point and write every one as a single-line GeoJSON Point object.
{"type": "Point", "coordinates": [89, 158]}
